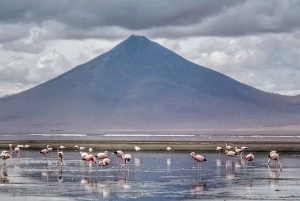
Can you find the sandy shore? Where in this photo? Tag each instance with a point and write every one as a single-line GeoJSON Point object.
{"type": "Point", "coordinates": [255, 146]}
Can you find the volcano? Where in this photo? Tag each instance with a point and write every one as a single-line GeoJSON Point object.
{"type": "Point", "coordinates": [141, 85]}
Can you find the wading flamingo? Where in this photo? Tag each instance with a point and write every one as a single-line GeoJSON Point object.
{"type": "Point", "coordinates": [62, 147]}
{"type": "Point", "coordinates": [102, 155]}
{"type": "Point", "coordinates": [50, 149]}
{"type": "Point", "coordinates": [228, 147]}
{"type": "Point", "coordinates": [91, 150]}
{"type": "Point", "coordinates": [219, 149]}
{"type": "Point", "coordinates": [230, 153]}
{"type": "Point", "coordinates": [238, 151]}
{"type": "Point", "coordinates": [138, 149]}
{"type": "Point", "coordinates": [249, 157]}
{"type": "Point", "coordinates": [274, 156]}
{"type": "Point", "coordinates": [127, 158]}
{"type": "Point", "coordinates": [61, 155]}
{"type": "Point", "coordinates": [199, 159]}
{"type": "Point", "coordinates": [119, 153]}
{"type": "Point", "coordinates": [44, 152]}
{"type": "Point", "coordinates": [17, 150]}
{"type": "Point", "coordinates": [10, 147]}
{"type": "Point", "coordinates": [4, 156]}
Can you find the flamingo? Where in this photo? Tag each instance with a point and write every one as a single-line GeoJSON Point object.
{"type": "Point", "coordinates": [20, 146]}
{"type": "Point", "coordinates": [102, 155]}
{"type": "Point", "coordinates": [169, 149]}
{"type": "Point", "coordinates": [27, 146]}
{"type": "Point", "coordinates": [127, 158]}
{"type": "Point", "coordinates": [104, 162]}
{"type": "Point", "coordinates": [199, 159]}
{"type": "Point", "coordinates": [83, 154]}
{"type": "Point", "coordinates": [61, 155]}
{"type": "Point", "coordinates": [90, 158]}
{"type": "Point", "coordinates": [238, 151]}
{"type": "Point", "coordinates": [119, 153]}
{"type": "Point", "coordinates": [4, 156]}
{"type": "Point", "coordinates": [219, 149]}
{"type": "Point", "coordinates": [90, 149]}
{"type": "Point", "coordinates": [230, 153]}
{"type": "Point", "coordinates": [243, 148]}
{"type": "Point", "coordinates": [137, 149]}
{"type": "Point", "coordinates": [10, 146]}
{"type": "Point", "coordinates": [274, 156]}
{"type": "Point", "coordinates": [44, 152]}
{"type": "Point", "coordinates": [50, 149]}
{"type": "Point", "coordinates": [17, 150]}
{"type": "Point", "coordinates": [228, 147]}
{"type": "Point", "coordinates": [62, 147]}
{"type": "Point", "coordinates": [81, 148]}
{"type": "Point", "coordinates": [76, 147]}
{"type": "Point", "coordinates": [249, 157]}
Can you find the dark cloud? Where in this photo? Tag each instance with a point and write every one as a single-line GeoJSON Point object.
{"type": "Point", "coordinates": [128, 14]}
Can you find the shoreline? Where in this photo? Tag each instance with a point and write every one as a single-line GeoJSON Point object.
{"type": "Point", "coordinates": [100, 145]}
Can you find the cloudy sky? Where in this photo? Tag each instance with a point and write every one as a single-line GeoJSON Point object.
{"type": "Point", "coordinates": [254, 42]}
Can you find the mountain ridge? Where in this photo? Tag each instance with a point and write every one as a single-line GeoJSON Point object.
{"type": "Point", "coordinates": [141, 84]}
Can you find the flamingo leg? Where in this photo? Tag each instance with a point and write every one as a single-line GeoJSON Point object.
{"type": "Point", "coordinates": [280, 165]}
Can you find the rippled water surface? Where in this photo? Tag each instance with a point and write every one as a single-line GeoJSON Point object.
{"type": "Point", "coordinates": [149, 176]}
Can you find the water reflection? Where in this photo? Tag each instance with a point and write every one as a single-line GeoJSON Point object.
{"type": "Point", "coordinates": [151, 179]}
{"type": "Point", "coordinates": [60, 177]}
{"type": "Point", "coordinates": [197, 189]}
{"type": "Point", "coordinates": [3, 176]}
{"type": "Point", "coordinates": [169, 163]}
{"type": "Point", "coordinates": [274, 172]}
{"type": "Point", "coordinates": [219, 162]}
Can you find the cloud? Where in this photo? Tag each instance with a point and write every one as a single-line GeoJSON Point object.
{"type": "Point", "coordinates": [268, 62]}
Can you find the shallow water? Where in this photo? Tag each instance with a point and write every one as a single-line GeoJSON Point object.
{"type": "Point", "coordinates": [149, 176]}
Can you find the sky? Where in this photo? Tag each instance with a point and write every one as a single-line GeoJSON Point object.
{"type": "Point", "coordinates": [255, 42]}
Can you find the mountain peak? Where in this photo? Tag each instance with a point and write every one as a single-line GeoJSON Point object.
{"type": "Point", "coordinates": [134, 42]}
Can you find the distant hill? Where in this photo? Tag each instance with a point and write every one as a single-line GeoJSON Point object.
{"type": "Point", "coordinates": [140, 85]}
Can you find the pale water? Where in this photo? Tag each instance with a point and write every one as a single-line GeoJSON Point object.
{"type": "Point", "coordinates": [149, 176]}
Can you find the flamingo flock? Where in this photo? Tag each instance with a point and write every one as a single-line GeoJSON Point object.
{"type": "Point", "coordinates": [103, 160]}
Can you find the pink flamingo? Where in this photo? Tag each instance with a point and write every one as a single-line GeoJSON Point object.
{"type": "Point", "coordinates": [102, 155]}
{"type": "Point", "coordinates": [83, 154]}
{"type": "Point", "coordinates": [61, 155]}
{"type": "Point", "coordinates": [62, 147]}
{"type": "Point", "coordinates": [44, 152]}
{"type": "Point", "coordinates": [228, 147]}
{"type": "Point", "coordinates": [17, 150]}
{"type": "Point", "coordinates": [90, 158]}
{"type": "Point", "coordinates": [230, 153]}
{"type": "Point", "coordinates": [119, 153]}
{"type": "Point", "coordinates": [219, 149]}
{"type": "Point", "coordinates": [50, 149]}
{"type": "Point", "coordinates": [4, 156]}
{"type": "Point", "coordinates": [249, 157]}
{"type": "Point", "coordinates": [104, 162]}
{"type": "Point", "coordinates": [199, 159]}
{"type": "Point", "coordinates": [127, 158]}
{"type": "Point", "coordinates": [10, 146]}
{"type": "Point", "coordinates": [274, 156]}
